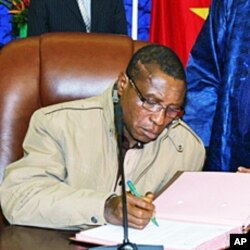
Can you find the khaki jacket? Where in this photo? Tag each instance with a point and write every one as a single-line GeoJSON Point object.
{"type": "Point", "coordinates": [70, 164]}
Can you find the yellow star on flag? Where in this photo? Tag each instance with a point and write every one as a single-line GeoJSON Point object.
{"type": "Point", "coordinates": [201, 12]}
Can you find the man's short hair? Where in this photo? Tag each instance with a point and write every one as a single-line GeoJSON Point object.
{"type": "Point", "coordinates": [159, 55]}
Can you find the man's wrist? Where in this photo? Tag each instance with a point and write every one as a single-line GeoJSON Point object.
{"type": "Point", "coordinates": [108, 208]}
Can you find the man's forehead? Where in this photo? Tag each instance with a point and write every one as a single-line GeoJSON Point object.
{"type": "Point", "coordinates": [147, 71]}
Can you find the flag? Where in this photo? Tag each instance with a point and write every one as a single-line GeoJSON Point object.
{"type": "Point", "coordinates": [176, 23]}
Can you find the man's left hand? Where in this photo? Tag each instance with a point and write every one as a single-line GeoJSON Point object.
{"type": "Point", "coordinates": [243, 170]}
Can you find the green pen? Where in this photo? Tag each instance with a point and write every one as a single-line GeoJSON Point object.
{"type": "Point", "coordinates": [136, 194]}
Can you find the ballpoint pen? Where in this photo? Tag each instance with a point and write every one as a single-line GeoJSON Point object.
{"type": "Point", "coordinates": [136, 194]}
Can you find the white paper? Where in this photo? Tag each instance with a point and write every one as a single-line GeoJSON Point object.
{"type": "Point", "coordinates": [170, 234]}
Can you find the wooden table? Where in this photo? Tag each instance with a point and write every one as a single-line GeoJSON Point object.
{"type": "Point", "coordinates": [30, 238]}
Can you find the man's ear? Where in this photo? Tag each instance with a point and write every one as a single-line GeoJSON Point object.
{"type": "Point", "coordinates": [122, 83]}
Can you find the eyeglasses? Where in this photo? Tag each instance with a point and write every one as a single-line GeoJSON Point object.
{"type": "Point", "coordinates": [171, 111]}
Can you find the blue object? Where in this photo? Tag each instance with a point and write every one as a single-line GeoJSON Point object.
{"type": "Point", "coordinates": [5, 26]}
{"type": "Point", "coordinates": [218, 96]}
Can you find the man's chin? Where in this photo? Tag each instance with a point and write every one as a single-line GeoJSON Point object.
{"type": "Point", "coordinates": [145, 139]}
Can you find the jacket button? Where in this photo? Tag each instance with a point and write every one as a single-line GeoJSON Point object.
{"type": "Point", "coordinates": [180, 148]}
{"type": "Point", "coordinates": [94, 219]}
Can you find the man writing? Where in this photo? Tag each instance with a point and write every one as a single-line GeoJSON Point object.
{"type": "Point", "coordinates": [69, 174]}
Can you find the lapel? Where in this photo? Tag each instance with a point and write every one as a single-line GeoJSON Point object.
{"type": "Point", "coordinates": [73, 6]}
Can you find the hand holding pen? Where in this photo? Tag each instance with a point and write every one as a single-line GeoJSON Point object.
{"type": "Point", "coordinates": [140, 209]}
{"type": "Point", "coordinates": [135, 193]}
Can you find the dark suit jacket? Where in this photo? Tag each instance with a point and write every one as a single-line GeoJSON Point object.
{"type": "Point", "coordinates": [107, 16]}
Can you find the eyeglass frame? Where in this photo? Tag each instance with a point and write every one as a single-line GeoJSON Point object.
{"type": "Point", "coordinates": [168, 109]}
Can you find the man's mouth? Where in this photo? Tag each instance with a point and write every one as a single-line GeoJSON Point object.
{"type": "Point", "coordinates": [150, 134]}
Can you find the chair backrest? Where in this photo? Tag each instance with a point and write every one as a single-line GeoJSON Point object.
{"type": "Point", "coordinates": [53, 68]}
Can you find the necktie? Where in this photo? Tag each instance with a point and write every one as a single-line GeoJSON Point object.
{"type": "Point", "coordinates": [85, 14]}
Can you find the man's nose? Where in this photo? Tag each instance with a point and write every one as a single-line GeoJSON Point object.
{"type": "Point", "coordinates": [159, 117]}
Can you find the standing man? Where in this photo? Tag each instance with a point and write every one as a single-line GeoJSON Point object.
{"type": "Point", "coordinates": [218, 75]}
{"type": "Point", "coordinates": [100, 16]}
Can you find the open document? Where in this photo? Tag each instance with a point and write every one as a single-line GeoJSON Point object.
{"type": "Point", "coordinates": [198, 211]}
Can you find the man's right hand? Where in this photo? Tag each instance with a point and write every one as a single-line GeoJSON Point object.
{"type": "Point", "coordinates": [140, 210]}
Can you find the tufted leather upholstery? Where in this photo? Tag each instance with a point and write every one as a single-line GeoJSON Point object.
{"type": "Point", "coordinates": [52, 68]}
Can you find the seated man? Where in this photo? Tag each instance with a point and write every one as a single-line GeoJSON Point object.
{"type": "Point", "coordinates": [69, 175]}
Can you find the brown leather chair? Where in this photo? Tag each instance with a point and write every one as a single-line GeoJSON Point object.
{"type": "Point", "coordinates": [52, 68]}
